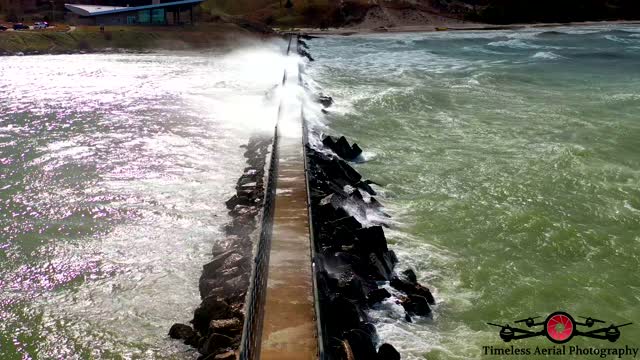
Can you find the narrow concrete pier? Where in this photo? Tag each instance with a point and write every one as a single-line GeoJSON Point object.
{"type": "Point", "coordinates": [289, 330]}
{"type": "Point", "coordinates": [289, 325]}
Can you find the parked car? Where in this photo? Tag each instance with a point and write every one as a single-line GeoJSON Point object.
{"type": "Point", "coordinates": [41, 25]}
{"type": "Point", "coordinates": [20, 26]}
{"type": "Point", "coordinates": [3, 28]}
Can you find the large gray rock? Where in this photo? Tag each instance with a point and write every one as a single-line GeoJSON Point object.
{"type": "Point", "coordinates": [185, 333]}
{"type": "Point", "coordinates": [216, 344]}
{"type": "Point", "coordinates": [211, 308]}
{"type": "Point", "coordinates": [229, 327]}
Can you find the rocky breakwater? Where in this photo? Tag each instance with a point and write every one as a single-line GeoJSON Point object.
{"type": "Point", "coordinates": [355, 269]}
{"type": "Point", "coordinates": [216, 327]}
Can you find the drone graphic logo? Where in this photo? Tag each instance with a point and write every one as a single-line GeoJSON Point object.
{"type": "Point", "coordinates": [560, 327]}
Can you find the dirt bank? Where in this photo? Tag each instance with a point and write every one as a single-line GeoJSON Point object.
{"type": "Point", "coordinates": [127, 38]}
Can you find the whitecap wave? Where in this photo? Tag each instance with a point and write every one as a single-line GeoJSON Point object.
{"type": "Point", "coordinates": [620, 39]}
{"type": "Point", "coordinates": [515, 44]}
{"type": "Point", "coordinates": [548, 55]}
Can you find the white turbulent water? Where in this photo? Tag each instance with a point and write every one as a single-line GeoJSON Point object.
{"type": "Point", "coordinates": [115, 169]}
{"type": "Point", "coordinates": [510, 165]}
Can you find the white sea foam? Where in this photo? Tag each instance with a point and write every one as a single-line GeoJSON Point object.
{"type": "Point", "coordinates": [548, 55]}
{"type": "Point", "coordinates": [515, 44]}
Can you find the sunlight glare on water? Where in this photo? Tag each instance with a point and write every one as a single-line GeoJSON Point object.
{"type": "Point", "coordinates": [114, 172]}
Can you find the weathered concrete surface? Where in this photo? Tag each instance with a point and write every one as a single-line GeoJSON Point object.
{"type": "Point", "coordinates": [289, 330]}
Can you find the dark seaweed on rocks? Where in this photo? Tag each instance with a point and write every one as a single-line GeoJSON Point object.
{"type": "Point", "coordinates": [353, 261]}
{"type": "Point", "coordinates": [217, 323]}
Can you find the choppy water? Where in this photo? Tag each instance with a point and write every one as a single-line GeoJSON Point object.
{"type": "Point", "coordinates": [511, 163]}
{"type": "Point", "coordinates": [114, 170]}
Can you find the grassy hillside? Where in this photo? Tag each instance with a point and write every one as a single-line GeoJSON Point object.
{"type": "Point", "coordinates": [315, 13]}
{"type": "Point", "coordinates": [90, 39]}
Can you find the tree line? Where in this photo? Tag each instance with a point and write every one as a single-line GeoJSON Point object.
{"type": "Point", "coordinates": [527, 11]}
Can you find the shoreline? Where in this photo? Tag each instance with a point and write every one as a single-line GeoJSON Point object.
{"type": "Point", "coordinates": [453, 26]}
{"type": "Point", "coordinates": [214, 36]}
{"type": "Point", "coordinates": [127, 39]}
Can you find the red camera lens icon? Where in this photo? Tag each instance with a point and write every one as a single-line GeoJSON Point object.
{"type": "Point", "coordinates": [559, 327]}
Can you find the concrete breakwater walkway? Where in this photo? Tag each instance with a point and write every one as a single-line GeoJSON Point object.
{"type": "Point", "coordinates": [281, 321]}
{"type": "Point", "coordinates": [289, 330]}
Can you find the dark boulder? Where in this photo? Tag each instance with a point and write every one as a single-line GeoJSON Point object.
{"type": "Point", "coordinates": [211, 308]}
{"type": "Point", "coordinates": [185, 333]}
{"type": "Point", "coordinates": [347, 151]}
{"type": "Point", "coordinates": [229, 355]}
{"type": "Point", "coordinates": [410, 275]}
{"type": "Point", "coordinates": [374, 203]}
{"type": "Point", "coordinates": [393, 257]}
{"type": "Point", "coordinates": [216, 343]}
{"type": "Point", "coordinates": [356, 150]}
{"type": "Point", "coordinates": [305, 53]}
{"type": "Point", "coordinates": [387, 261]}
{"type": "Point", "coordinates": [333, 199]}
{"type": "Point", "coordinates": [366, 187]}
{"type": "Point", "coordinates": [351, 174]}
{"type": "Point", "coordinates": [412, 289]}
{"type": "Point", "coordinates": [376, 270]}
{"type": "Point", "coordinates": [377, 296]}
{"type": "Point", "coordinates": [361, 344]}
{"type": "Point", "coordinates": [416, 304]}
{"type": "Point", "coordinates": [342, 262]}
{"type": "Point", "coordinates": [342, 147]}
{"type": "Point", "coordinates": [229, 327]}
{"type": "Point", "coordinates": [352, 288]}
{"type": "Point", "coordinates": [340, 173]}
{"type": "Point", "coordinates": [388, 352]}
{"type": "Point", "coordinates": [226, 259]}
{"type": "Point", "coordinates": [326, 101]}
{"type": "Point", "coordinates": [231, 242]}
{"type": "Point", "coordinates": [329, 142]}
{"type": "Point", "coordinates": [342, 315]}
{"type": "Point", "coordinates": [348, 222]}
{"type": "Point", "coordinates": [372, 239]}
{"type": "Point", "coordinates": [235, 271]}
{"type": "Point", "coordinates": [232, 202]}
{"type": "Point", "coordinates": [343, 236]}
{"type": "Point", "coordinates": [370, 330]}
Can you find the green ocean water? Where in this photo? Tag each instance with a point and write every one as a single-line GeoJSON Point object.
{"type": "Point", "coordinates": [511, 165]}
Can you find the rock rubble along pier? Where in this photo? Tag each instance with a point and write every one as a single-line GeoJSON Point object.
{"type": "Point", "coordinates": [305, 255]}
{"type": "Point", "coordinates": [354, 268]}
